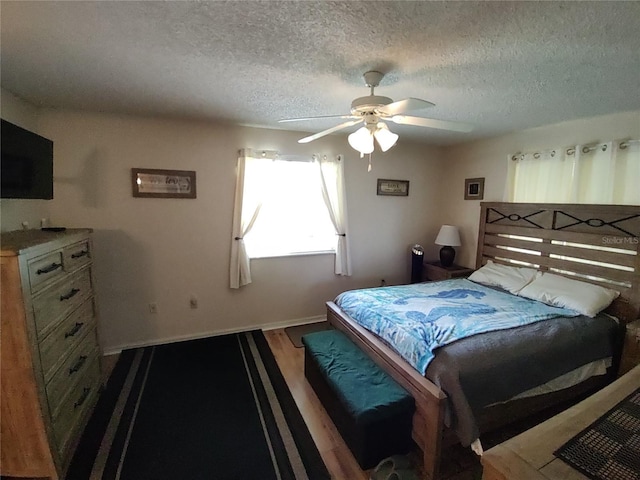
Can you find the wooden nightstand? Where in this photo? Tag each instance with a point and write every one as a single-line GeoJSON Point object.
{"type": "Point", "coordinates": [631, 349]}
{"type": "Point", "coordinates": [434, 271]}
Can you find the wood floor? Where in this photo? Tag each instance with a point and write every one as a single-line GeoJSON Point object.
{"type": "Point", "coordinates": [457, 464]}
{"type": "Point", "coordinates": [335, 453]}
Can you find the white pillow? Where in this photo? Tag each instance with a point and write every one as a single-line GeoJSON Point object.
{"type": "Point", "coordinates": [558, 291]}
{"type": "Point", "coordinates": [511, 279]}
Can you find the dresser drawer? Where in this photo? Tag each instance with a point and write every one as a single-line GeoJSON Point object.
{"type": "Point", "coordinates": [60, 300]}
{"type": "Point", "coordinates": [74, 407]}
{"type": "Point", "coordinates": [51, 365]}
{"type": "Point", "coordinates": [76, 255]}
{"type": "Point", "coordinates": [45, 270]}
{"type": "Point", "coordinates": [65, 337]}
{"type": "Point", "coordinates": [72, 370]}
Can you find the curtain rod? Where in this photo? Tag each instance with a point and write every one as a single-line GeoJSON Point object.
{"type": "Point", "coordinates": [572, 150]}
{"type": "Point", "coordinates": [627, 143]}
{"type": "Point", "coordinates": [275, 155]}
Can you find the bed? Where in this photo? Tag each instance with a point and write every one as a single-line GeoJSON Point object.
{"type": "Point", "coordinates": [553, 238]}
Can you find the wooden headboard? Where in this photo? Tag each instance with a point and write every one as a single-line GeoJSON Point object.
{"type": "Point", "coordinates": [592, 243]}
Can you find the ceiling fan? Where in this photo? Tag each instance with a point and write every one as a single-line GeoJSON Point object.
{"type": "Point", "coordinates": [374, 110]}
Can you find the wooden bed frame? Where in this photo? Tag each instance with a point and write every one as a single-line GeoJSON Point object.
{"type": "Point", "coordinates": [550, 237]}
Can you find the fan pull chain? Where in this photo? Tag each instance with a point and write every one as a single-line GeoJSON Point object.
{"type": "Point", "coordinates": [369, 169]}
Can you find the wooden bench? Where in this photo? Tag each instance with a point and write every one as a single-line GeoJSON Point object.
{"type": "Point", "coordinates": [370, 410]}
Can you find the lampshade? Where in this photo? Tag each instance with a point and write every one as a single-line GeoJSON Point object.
{"type": "Point", "coordinates": [361, 140]}
{"type": "Point", "coordinates": [385, 137]}
{"type": "Point", "coordinates": [449, 236]}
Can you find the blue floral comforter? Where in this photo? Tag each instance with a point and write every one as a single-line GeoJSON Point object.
{"type": "Point", "coordinates": [417, 319]}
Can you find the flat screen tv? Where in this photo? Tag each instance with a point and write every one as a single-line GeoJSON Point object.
{"type": "Point", "coordinates": [26, 170]}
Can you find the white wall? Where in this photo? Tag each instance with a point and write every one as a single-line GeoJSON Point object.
{"type": "Point", "coordinates": [489, 159]}
{"type": "Point", "coordinates": [13, 212]}
{"type": "Point", "coordinates": [165, 250]}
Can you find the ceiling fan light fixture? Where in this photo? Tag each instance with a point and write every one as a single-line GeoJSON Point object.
{"type": "Point", "coordinates": [385, 137]}
{"type": "Point", "coordinates": [374, 110]}
{"type": "Point", "coordinates": [361, 140]}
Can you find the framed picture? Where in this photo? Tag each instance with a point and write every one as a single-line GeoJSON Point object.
{"type": "Point", "coordinates": [154, 183]}
{"type": "Point", "coordinates": [474, 189]}
{"type": "Point", "coordinates": [398, 188]}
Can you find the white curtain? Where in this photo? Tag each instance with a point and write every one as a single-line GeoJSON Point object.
{"type": "Point", "coordinates": [605, 173]}
{"type": "Point", "coordinates": [627, 179]}
{"type": "Point", "coordinates": [541, 177]}
{"type": "Point", "coordinates": [609, 173]}
{"type": "Point", "coordinates": [247, 203]}
{"type": "Point", "coordinates": [335, 198]}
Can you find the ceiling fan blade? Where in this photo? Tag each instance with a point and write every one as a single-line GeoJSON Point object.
{"type": "Point", "coordinates": [329, 130]}
{"type": "Point", "coordinates": [284, 120]}
{"type": "Point", "coordinates": [432, 123]}
{"type": "Point", "coordinates": [406, 105]}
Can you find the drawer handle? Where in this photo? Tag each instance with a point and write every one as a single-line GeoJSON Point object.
{"type": "Point", "coordinates": [76, 328]}
{"type": "Point", "coordinates": [78, 365]}
{"type": "Point", "coordinates": [72, 293]}
{"type": "Point", "coordinates": [83, 397]}
{"type": "Point", "coordinates": [49, 269]}
{"type": "Point", "coordinates": [80, 254]}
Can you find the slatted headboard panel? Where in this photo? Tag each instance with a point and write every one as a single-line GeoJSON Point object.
{"type": "Point", "coordinates": [592, 243]}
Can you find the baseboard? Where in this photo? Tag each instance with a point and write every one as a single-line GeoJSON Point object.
{"type": "Point", "coordinates": [213, 333]}
{"type": "Point", "coordinates": [293, 323]}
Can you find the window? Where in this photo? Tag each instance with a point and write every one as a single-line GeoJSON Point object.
{"type": "Point", "coordinates": [293, 218]}
{"type": "Point", "coordinates": [288, 206]}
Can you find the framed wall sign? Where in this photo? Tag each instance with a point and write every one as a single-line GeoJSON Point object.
{"type": "Point", "coordinates": [474, 189]}
{"type": "Point", "coordinates": [154, 183]}
{"type": "Point", "coordinates": [398, 188]}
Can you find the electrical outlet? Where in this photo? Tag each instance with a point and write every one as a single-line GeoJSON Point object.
{"type": "Point", "coordinates": [153, 307]}
{"type": "Point", "coordinates": [193, 301]}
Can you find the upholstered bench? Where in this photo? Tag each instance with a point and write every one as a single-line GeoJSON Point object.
{"type": "Point", "coordinates": [370, 410]}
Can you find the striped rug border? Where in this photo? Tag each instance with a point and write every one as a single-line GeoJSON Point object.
{"type": "Point", "coordinates": [311, 458]}
{"type": "Point", "coordinates": [115, 455]}
{"type": "Point", "coordinates": [102, 450]}
{"type": "Point", "coordinates": [112, 427]}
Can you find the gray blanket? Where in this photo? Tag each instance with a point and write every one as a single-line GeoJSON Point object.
{"type": "Point", "coordinates": [493, 367]}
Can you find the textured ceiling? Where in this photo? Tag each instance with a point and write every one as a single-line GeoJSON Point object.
{"type": "Point", "coordinates": [502, 66]}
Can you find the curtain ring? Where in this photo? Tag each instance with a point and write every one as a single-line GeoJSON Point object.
{"type": "Point", "coordinates": [571, 151]}
{"type": "Point", "coordinates": [553, 153]}
{"type": "Point", "coordinates": [536, 155]}
{"type": "Point", "coordinates": [604, 147]}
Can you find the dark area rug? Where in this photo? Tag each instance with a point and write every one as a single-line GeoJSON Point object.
{"type": "Point", "coordinates": [610, 446]}
{"type": "Point", "coordinates": [216, 408]}
{"type": "Point", "coordinates": [296, 333]}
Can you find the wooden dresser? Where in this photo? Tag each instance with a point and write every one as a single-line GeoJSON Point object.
{"type": "Point", "coordinates": [50, 359]}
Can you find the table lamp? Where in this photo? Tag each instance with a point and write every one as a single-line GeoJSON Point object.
{"type": "Point", "coordinates": [449, 237]}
